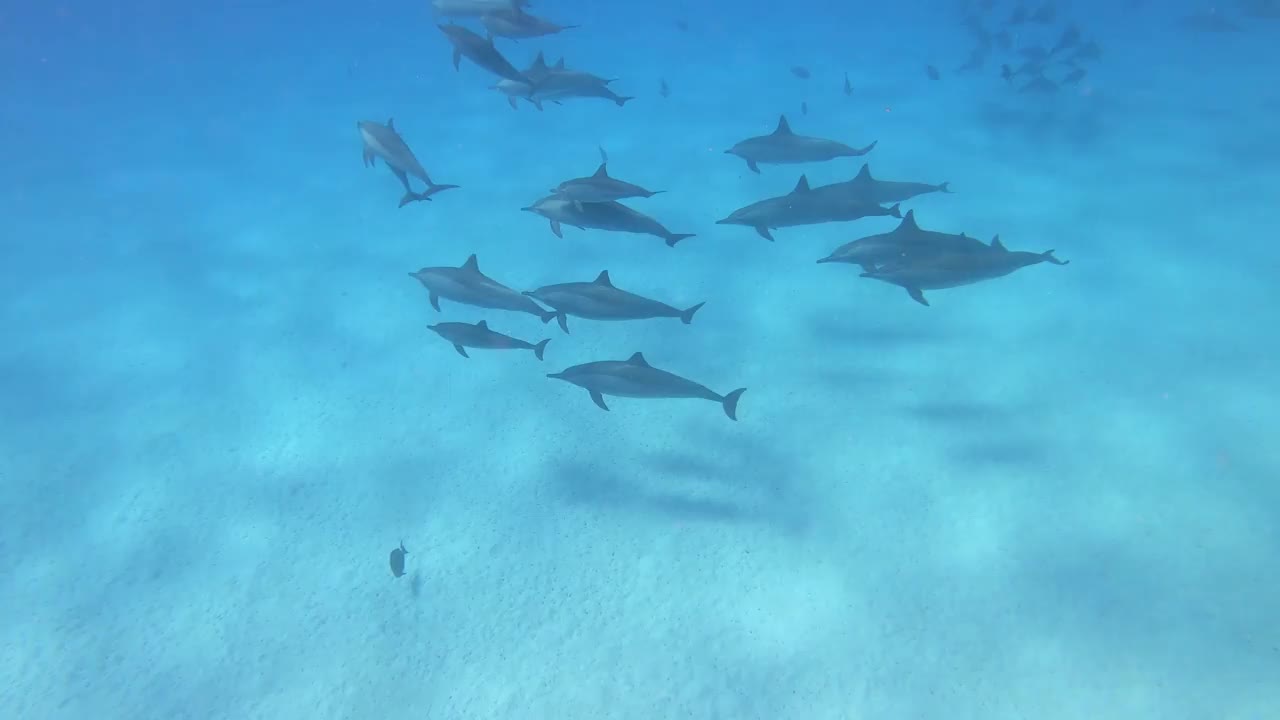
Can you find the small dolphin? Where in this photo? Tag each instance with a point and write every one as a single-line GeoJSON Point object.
{"type": "Point", "coordinates": [601, 300]}
{"type": "Point", "coordinates": [636, 378]}
{"type": "Point", "coordinates": [896, 245]}
{"type": "Point", "coordinates": [600, 187]}
{"type": "Point", "coordinates": [397, 560]}
{"type": "Point", "coordinates": [805, 206]}
{"type": "Point", "coordinates": [382, 141]}
{"type": "Point", "coordinates": [558, 82]}
{"type": "Point", "coordinates": [938, 269]}
{"type": "Point", "coordinates": [469, 286]}
{"type": "Point", "coordinates": [610, 215]}
{"type": "Point", "coordinates": [480, 51]}
{"type": "Point", "coordinates": [476, 8]}
{"type": "Point", "coordinates": [882, 192]}
{"type": "Point", "coordinates": [466, 335]}
{"type": "Point", "coordinates": [517, 25]}
{"type": "Point", "coordinates": [784, 147]}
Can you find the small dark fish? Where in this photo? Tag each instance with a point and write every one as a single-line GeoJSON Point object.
{"type": "Point", "coordinates": [932, 72]}
{"type": "Point", "coordinates": [800, 72]}
{"type": "Point", "coordinates": [663, 89]}
{"type": "Point", "coordinates": [848, 89]}
{"type": "Point", "coordinates": [804, 108]}
{"type": "Point", "coordinates": [397, 560]}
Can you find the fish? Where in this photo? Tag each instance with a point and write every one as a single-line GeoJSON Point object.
{"type": "Point", "coordinates": [610, 215]}
{"type": "Point", "coordinates": [601, 300]}
{"type": "Point", "coordinates": [383, 141]}
{"type": "Point", "coordinates": [600, 187]}
{"type": "Point", "coordinates": [936, 269]}
{"type": "Point", "coordinates": [784, 147]}
{"type": "Point", "coordinates": [481, 51]}
{"type": "Point", "coordinates": [469, 286]}
{"type": "Point", "coordinates": [805, 206]}
{"type": "Point", "coordinates": [397, 560]}
{"type": "Point", "coordinates": [636, 378]}
{"type": "Point", "coordinates": [517, 24]}
{"type": "Point", "coordinates": [466, 335]}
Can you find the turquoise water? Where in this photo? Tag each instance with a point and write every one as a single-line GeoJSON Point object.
{"type": "Point", "coordinates": [1050, 495]}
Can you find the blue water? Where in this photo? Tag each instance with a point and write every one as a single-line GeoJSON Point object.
{"type": "Point", "coordinates": [1051, 495]}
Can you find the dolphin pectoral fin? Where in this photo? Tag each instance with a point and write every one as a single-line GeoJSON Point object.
{"type": "Point", "coordinates": [763, 232]}
{"type": "Point", "coordinates": [540, 348]}
{"type": "Point", "coordinates": [461, 351]}
{"type": "Point", "coordinates": [563, 319]}
{"type": "Point", "coordinates": [511, 100]}
{"type": "Point", "coordinates": [555, 228]}
{"type": "Point", "coordinates": [435, 301]}
{"type": "Point", "coordinates": [917, 295]}
{"type": "Point", "coordinates": [368, 157]}
{"type": "Point", "coordinates": [730, 403]}
{"type": "Point", "coordinates": [598, 399]}
{"type": "Point", "coordinates": [751, 165]}
{"type": "Point", "coordinates": [457, 59]}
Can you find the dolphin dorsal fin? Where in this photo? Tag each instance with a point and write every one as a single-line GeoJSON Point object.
{"type": "Point", "coordinates": [483, 324]}
{"type": "Point", "coordinates": [471, 264]}
{"type": "Point", "coordinates": [802, 186]}
{"type": "Point", "coordinates": [602, 171]}
{"type": "Point", "coordinates": [638, 359]}
{"type": "Point", "coordinates": [997, 245]}
{"type": "Point", "coordinates": [391, 123]}
{"type": "Point", "coordinates": [784, 128]}
{"type": "Point", "coordinates": [540, 62]}
{"type": "Point", "coordinates": [559, 64]}
{"type": "Point", "coordinates": [864, 173]}
{"type": "Point", "coordinates": [603, 279]}
{"type": "Point", "coordinates": [909, 221]}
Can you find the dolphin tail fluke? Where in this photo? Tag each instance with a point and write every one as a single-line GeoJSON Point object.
{"type": "Point", "coordinates": [540, 348]}
{"type": "Point", "coordinates": [863, 151]}
{"type": "Point", "coordinates": [433, 188]}
{"type": "Point", "coordinates": [622, 99]}
{"type": "Point", "coordinates": [673, 238]}
{"type": "Point", "coordinates": [896, 210]}
{"type": "Point", "coordinates": [686, 316]}
{"type": "Point", "coordinates": [411, 196]}
{"type": "Point", "coordinates": [1048, 257]}
{"type": "Point", "coordinates": [730, 403]}
{"type": "Point", "coordinates": [546, 316]}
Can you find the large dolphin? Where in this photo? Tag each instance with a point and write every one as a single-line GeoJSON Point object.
{"type": "Point", "coordinates": [601, 300]}
{"type": "Point", "coordinates": [935, 269]}
{"type": "Point", "coordinates": [469, 286]}
{"type": "Point", "coordinates": [476, 8]}
{"type": "Point", "coordinates": [610, 215]}
{"type": "Point", "coordinates": [804, 206]}
{"type": "Point", "coordinates": [517, 24]}
{"type": "Point", "coordinates": [382, 141]}
{"type": "Point", "coordinates": [466, 335]}
{"type": "Point", "coordinates": [884, 248]}
{"type": "Point", "coordinates": [600, 187]}
{"type": "Point", "coordinates": [784, 147]}
{"type": "Point", "coordinates": [636, 378]}
{"type": "Point", "coordinates": [883, 192]}
{"type": "Point", "coordinates": [480, 51]}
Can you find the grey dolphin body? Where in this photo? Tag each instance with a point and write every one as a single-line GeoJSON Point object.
{"type": "Point", "coordinates": [561, 83]}
{"type": "Point", "coordinates": [466, 335]}
{"type": "Point", "coordinates": [888, 191]}
{"type": "Point", "coordinates": [610, 215]}
{"type": "Point", "coordinates": [480, 51]}
{"type": "Point", "coordinates": [936, 269]}
{"type": "Point", "coordinates": [383, 141]}
{"type": "Point", "coordinates": [805, 206]}
{"type": "Point", "coordinates": [476, 8]}
{"type": "Point", "coordinates": [600, 300]}
{"type": "Point", "coordinates": [636, 378]}
{"type": "Point", "coordinates": [784, 147]}
{"type": "Point", "coordinates": [885, 248]}
{"type": "Point", "coordinates": [517, 24]}
{"type": "Point", "coordinates": [600, 187]}
{"type": "Point", "coordinates": [469, 286]}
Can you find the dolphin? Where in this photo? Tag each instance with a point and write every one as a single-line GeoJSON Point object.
{"type": "Point", "coordinates": [600, 187]}
{"type": "Point", "coordinates": [805, 206]}
{"type": "Point", "coordinates": [636, 378]}
{"type": "Point", "coordinates": [517, 24]}
{"type": "Point", "coordinates": [558, 82]}
{"type": "Point", "coordinates": [883, 192]}
{"type": "Point", "coordinates": [476, 8]}
{"type": "Point", "coordinates": [609, 215]}
{"type": "Point", "coordinates": [784, 147]}
{"type": "Point", "coordinates": [382, 141]}
{"type": "Point", "coordinates": [480, 51]}
{"type": "Point", "coordinates": [886, 248]}
{"type": "Point", "coordinates": [466, 335]}
{"type": "Point", "coordinates": [600, 300]}
{"type": "Point", "coordinates": [937, 269]}
{"type": "Point", "coordinates": [469, 286]}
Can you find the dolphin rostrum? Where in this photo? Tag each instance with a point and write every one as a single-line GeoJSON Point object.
{"type": "Point", "coordinates": [805, 206]}
{"type": "Point", "coordinates": [480, 51]}
{"type": "Point", "coordinates": [466, 335]}
{"type": "Point", "coordinates": [784, 147]}
{"type": "Point", "coordinates": [600, 300]}
{"type": "Point", "coordinates": [636, 378]}
{"type": "Point", "coordinates": [610, 215]}
{"type": "Point", "coordinates": [935, 269]}
{"type": "Point", "coordinates": [382, 141]}
{"type": "Point", "coordinates": [469, 286]}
